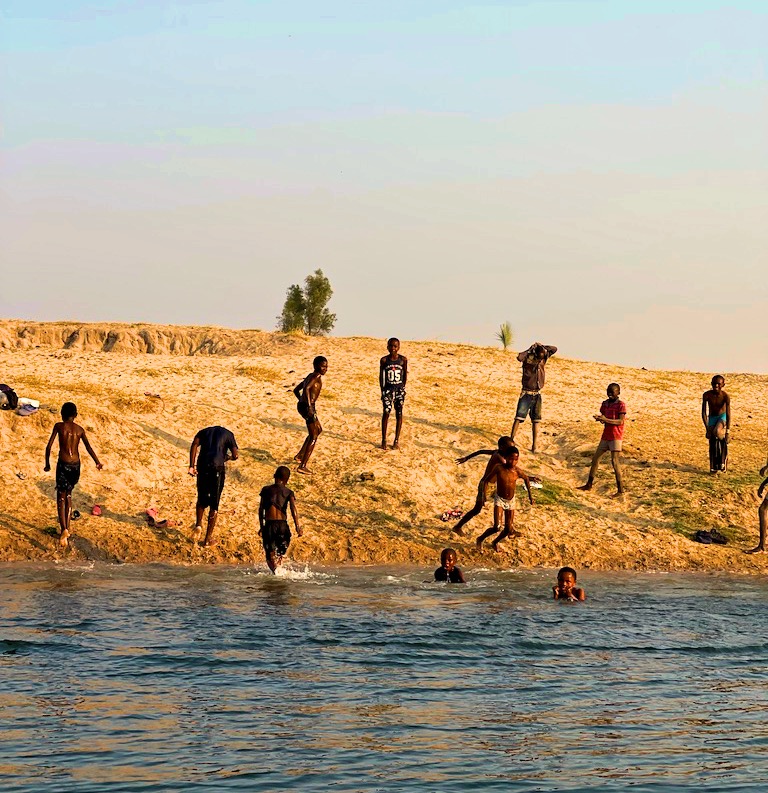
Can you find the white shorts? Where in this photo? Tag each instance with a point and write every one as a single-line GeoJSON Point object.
{"type": "Point", "coordinates": [507, 504]}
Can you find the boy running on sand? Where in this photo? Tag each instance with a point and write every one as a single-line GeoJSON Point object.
{"type": "Point", "coordinates": [393, 374]}
{"type": "Point", "coordinates": [506, 474]}
{"type": "Point", "coordinates": [612, 413]}
{"type": "Point", "coordinates": [496, 458]}
{"type": "Point", "coordinates": [307, 392]}
{"type": "Point", "coordinates": [448, 571]}
{"type": "Point", "coordinates": [717, 424]}
{"type": "Point", "coordinates": [273, 518]}
{"type": "Point", "coordinates": [68, 465]}
{"type": "Point", "coordinates": [565, 588]}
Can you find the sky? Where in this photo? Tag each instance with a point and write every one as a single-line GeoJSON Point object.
{"type": "Point", "coordinates": [595, 173]}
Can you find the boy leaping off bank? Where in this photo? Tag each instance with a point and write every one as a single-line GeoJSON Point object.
{"type": "Point", "coordinates": [717, 424]}
{"type": "Point", "coordinates": [307, 392]}
{"type": "Point", "coordinates": [506, 474]}
{"type": "Point", "coordinates": [68, 465]}
{"type": "Point", "coordinates": [273, 518]}
{"type": "Point", "coordinates": [393, 374]}
{"type": "Point", "coordinates": [611, 415]}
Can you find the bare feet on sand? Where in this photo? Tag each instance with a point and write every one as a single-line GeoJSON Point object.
{"type": "Point", "coordinates": [585, 487]}
{"type": "Point", "coordinates": [396, 445]}
{"type": "Point", "coordinates": [197, 534]}
{"type": "Point", "coordinates": [383, 446]}
{"type": "Point", "coordinates": [618, 494]}
{"type": "Point", "coordinates": [759, 549]}
{"type": "Point", "coordinates": [302, 470]}
{"type": "Point", "coordinates": [63, 541]}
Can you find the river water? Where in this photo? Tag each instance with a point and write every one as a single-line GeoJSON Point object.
{"type": "Point", "coordinates": [158, 678]}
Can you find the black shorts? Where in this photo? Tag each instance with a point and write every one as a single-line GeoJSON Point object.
{"type": "Point", "coordinates": [67, 476]}
{"type": "Point", "coordinates": [210, 483]}
{"type": "Point", "coordinates": [306, 413]}
{"type": "Point", "coordinates": [276, 536]}
{"type": "Point", "coordinates": [393, 397]}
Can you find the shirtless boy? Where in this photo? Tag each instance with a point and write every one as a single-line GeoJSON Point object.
{"type": "Point", "coordinates": [611, 416]}
{"type": "Point", "coordinates": [273, 518]}
{"type": "Point", "coordinates": [716, 415]}
{"type": "Point", "coordinates": [565, 588]}
{"type": "Point", "coordinates": [496, 458]}
{"type": "Point", "coordinates": [307, 392]}
{"type": "Point", "coordinates": [393, 374]}
{"type": "Point", "coordinates": [68, 465]}
{"type": "Point", "coordinates": [506, 474]}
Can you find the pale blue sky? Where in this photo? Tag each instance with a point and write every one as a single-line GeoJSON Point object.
{"type": "Point", "coordinates": [594, 172]}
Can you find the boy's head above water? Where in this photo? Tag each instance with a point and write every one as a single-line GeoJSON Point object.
{"type": "Point", "coordinates": [68, 411]}
{"type": "Point", "coordinates": [566, 576]}
{"type": "Point", "coordinates": [448, 558]}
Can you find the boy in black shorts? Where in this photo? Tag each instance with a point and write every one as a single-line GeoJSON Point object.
{"type": "Point", "coordinates": [215, 445]}
{"type": "Point", "coordinates": [393, 374]}
{"type": "Point", "coordinates": [273, 518]}
{"type": "Point", "coordinates": [68, 466]}
{"type": "Point", "coordinates": [307, 392]}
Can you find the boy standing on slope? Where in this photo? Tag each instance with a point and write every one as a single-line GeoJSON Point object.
{"type": "Point", "coordinates": [717, 424]}
{"type": "Point", "coordinates": [393, 374]}
{"type": "Point", "coordinates": [534, 359]}
{"type": "Point", "coordinates": [612, 413]}
{"type": "Point", "coordinates": [506, 474]}
{"type": "Point", "coordinates": [307, 392]}
{"type": "Point", "coordinates": [273, 518]}
{"type": "Point", "coordinates": [215, 445]}
{"type": "Point", "coordinates": [68, 465]}
{"type": "Point", "coordinates": [762, 512]}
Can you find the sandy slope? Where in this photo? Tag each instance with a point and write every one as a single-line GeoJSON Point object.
{"type": "Point", "coordinates": [460, 398]}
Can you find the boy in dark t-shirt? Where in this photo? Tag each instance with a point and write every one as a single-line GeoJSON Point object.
{"type": "Point", "coordinates": [208, 454]}
{"type": "Point", "coordinates": [273, 518]}
{"type": "Point", "coordinates": [393, 374]}
{"type": "Point", "coordinates": [448, 571]}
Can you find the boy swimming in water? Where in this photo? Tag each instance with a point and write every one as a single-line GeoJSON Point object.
{"type": "Point", "coordinates": [506, 474]}
{"type": "Point", "coordinates": [393, 374]}
{"type": "Point", "coordinates": [273, 518]}
{"type": "Point", "coordinates": [307, 392]}
{"type": "Point", "coordinates": [496, 458]}
{"type": "Point", "coordinates": [68, 465]}
{"type": "Point", "coordinates": [565, 588]}
{"type": "Point", "coordinates": [716, 415]}
{"type": "Point", "coordinates": [448, 571]}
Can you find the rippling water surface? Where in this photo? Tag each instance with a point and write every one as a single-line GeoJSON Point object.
{"type": "Point", "coordinates": [145, 678]}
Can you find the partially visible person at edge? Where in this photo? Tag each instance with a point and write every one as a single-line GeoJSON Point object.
{"type": "Point", "coordinates": [307, 392]}
{"type": "Point", "coordinates": [497, 457]}
{"type": "Point", "coordinates": [611, 416]}
{"type": "Point", "coordinates": [273, 518]}
{"type": "Point", "coordinates": [448, 571]}
{"type": "Point", "coordinates": [716, 415]}
{"type": "Point", "coordinates": [762, 511]}
{"type": "Point", "coordinates": [534, 359]}
{"type": "Point", "coordinates": [393, 375]}
{"type": "Point", "coordinates": [208, 454]}
{"type": "Point", "coordinates": [68, 465]}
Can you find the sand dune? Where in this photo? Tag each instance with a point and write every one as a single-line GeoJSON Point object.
{"type": "Point", "coordinates": [460, 398]}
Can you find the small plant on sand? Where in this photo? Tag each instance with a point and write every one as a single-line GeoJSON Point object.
{"type": "Point", "coordinates": [305, 309]}
{"type": "Point", "coordinates": [504, 335]}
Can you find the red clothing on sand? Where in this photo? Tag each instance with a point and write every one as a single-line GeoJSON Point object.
{"type": "Point", "coordinates": [613, 410]}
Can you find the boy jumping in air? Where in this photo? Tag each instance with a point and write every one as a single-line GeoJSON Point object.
{"type": "Point", "coordinates": [68, 465]}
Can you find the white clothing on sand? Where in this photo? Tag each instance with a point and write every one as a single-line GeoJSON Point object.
{"type": "Point", "coordinates": [507, 504]}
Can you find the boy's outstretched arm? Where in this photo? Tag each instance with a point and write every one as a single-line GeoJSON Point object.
{"type": "Point", "coordinates": [295, 516]}
{"type": "Point", "coordinates": [48, 448]}
{"type": "Point", "coordinates": [527, 481]}
{"type": "Point", "coordinates": [90, 451]}
{"type": "Point", "coordinates": [462, 460]}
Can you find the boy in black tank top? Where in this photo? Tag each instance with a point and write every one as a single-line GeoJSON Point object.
{"type": "Point", "coordinates": [273, 514]}
{"type": "Point", "coordinates": [393, 373]}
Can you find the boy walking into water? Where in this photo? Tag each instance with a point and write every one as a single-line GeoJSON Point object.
{"type": "Point", "coordinates": [68, 465]}
{"type": "Point", "coordinates": [506, 474]}
{"type": "Point", "coordinates": [307, 392]}
{"type": "Point", "coordinates": [273, 518]}
{"type": "Point", "coordinates": [393, 374]}
{"type": "Point", "coordinates": [716, 415]}
{"type": "Point", "coordinates": [215, 446]}
{"type": "Point", "coordinates": [611, 416]}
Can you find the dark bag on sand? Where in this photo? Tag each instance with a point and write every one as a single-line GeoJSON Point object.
{"type": "Point", "coordinates": [709, 537]}
{"type": "Point", "coordinates": [11, 401]}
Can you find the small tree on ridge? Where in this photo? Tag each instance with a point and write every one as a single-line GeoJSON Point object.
{"type": "Point", "coordinates": [305, 309]}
